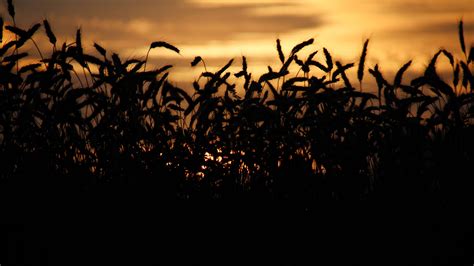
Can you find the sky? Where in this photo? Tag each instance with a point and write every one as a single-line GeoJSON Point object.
{"type": "Point", "coordinates": [218, 30]}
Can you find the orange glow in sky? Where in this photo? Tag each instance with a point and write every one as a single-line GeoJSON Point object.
{"type": "Point", "coordinates": [400, 30]}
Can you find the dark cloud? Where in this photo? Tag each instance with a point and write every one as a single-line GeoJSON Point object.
{"type": "Point", "coordinates": [410, 7]}
{"type": "Point", "coordinates": [180, 21]}
{"type": "Point", "coordinates": [449, 28]}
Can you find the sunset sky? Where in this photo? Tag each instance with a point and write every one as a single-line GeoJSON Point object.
{"type": "Point", "coordinates": [400, 30]}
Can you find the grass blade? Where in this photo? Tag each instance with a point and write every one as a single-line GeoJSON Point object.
{"type": "Point", "coordinates": [456, 75]}
{"type": "Point", "coordinates": [79, 41]}
{"type": "Point", "coordinates": [431, 69]}
{"type": "Point", "coordinates": [11, 9]}
{"type": "Point", "coordinates": [449, 56]}
{"type": "Point", "coordinates": [100, 49]}
{"type": "Point", "coordinates": [14, 57]}
{"type": "Point", "coordinates": [49, 32]}
{"type": "Point", "coordinates": [341, 70]}
{"type": "Point", "coordinates": [164, 45]}
{"type": "Point", "coordinates": [381, 82]}
{"type": "Point", "coordinates": [30, 67]}
{"type": "Point", "coordinates": [163, 69]}
{"type": "Point", "coordinates": [218, 73]}
{"type": "Point", "coordinates": [244, 68]}
{"type": "Point", "coordinates": [399, 75]}
{"type": "Point", "coordinates": [287, 64]}
{"type": "Point", "coordinates": [302, 45]}
{"type": "Point", "coordinates": [196, 61]}
{"type": "Point", "coordinates": [471, 55]}
{"type": "Point", "coordinates": [360, 72]}
{"type": "Point", "coordinates": [461, 37]}
{"type": "Point", "coordinates": [280, 52]}
{"type": "Point", "coordinates": [468, 77]}
{"type": "Point", "coordinates": [21, 33]}
{"type": "Point", "coordinates": [311, 56]}
{"type": "Point", "coordinates": [1, 29]}
{"type": "Point", "coordinates": [244, 64]}
{"type": "Point", "coordinates": [318, 65]}
{"type": "Point", "coordinates": [329, 61]}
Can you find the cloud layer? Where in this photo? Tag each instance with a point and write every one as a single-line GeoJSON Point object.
{"type": "Point", "coordinates": [181, 21]}
{"type": "Point", "coordinates": [400, 30]}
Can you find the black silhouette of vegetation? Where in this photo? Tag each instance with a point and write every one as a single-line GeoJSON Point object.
{"type": "Point", "coordinates": [75, 122]}
{"type": "Point", "coordinates": [86, 119]}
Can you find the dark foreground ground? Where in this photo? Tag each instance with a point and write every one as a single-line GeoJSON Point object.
{"type": "Point", "coordinates": [122, 226]}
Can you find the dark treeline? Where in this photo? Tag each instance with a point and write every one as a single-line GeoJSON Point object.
{"type": "Point", "coordinates": [78, 123]}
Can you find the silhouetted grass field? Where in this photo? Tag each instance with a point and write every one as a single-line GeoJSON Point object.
{"type": "Point", "coordinates": [303, 134]}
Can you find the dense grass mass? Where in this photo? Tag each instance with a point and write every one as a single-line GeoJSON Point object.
{"type": "Point", "coordinates": [85, 120]}
{"type": "Point", "coordinates": [81, 126]}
